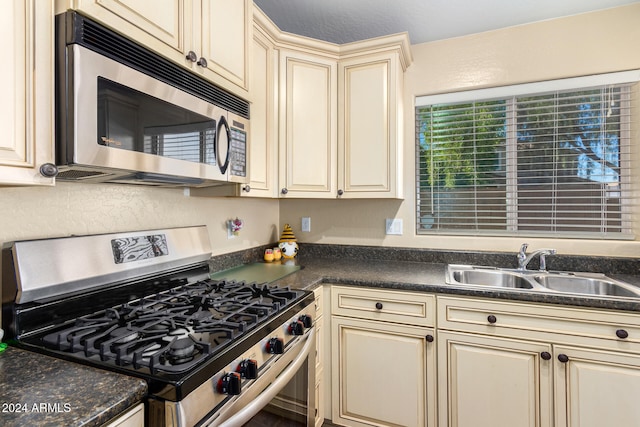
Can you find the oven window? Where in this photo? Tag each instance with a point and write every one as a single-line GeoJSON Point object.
{"type": "Point", "coordinates": [131, 120]}
{"type": "Point", "coordinates": [290, 407]}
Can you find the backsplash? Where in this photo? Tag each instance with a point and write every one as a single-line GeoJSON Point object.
{"type": "Point", "coordinates": [606, 265]}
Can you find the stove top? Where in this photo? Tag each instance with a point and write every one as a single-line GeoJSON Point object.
{"type": "Point", "coordinates": [170, 331]}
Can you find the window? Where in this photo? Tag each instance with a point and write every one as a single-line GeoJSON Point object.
{"type": "Point", "coordinates": [526, 162]}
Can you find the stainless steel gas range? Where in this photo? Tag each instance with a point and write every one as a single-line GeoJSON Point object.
{"type": "Point", "coordinates": [213, 352]}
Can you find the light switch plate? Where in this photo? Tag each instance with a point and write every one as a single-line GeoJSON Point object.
{"type": "Point", "coordinates": [306, 224]}
{"type": "Point", "coordinates": [394, 226]}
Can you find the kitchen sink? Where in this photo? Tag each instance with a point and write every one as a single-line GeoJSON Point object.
{"type": "Point", "coordinates": [586, 283]}
{"type": "Point", "coordinates": [594, 284]}
{"type": "Point", "coordinates": [495, 278]}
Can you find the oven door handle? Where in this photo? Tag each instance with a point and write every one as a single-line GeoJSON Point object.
{"type": "Point", "coordinates": [248, 411]}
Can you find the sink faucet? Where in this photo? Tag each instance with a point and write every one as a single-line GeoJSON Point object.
{"type": "Point", "coordinates": [524, 259]}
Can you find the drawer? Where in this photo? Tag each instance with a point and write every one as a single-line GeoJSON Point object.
{"type": "Point", "coordinates": [544, 322]}
{"type": "Point", "coordinates": [411, 308]}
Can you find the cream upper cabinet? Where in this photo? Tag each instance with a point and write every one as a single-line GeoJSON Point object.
{"type": "Point", "coordinates": [383, 358]}
{"type": "Point", "coordinates": [210, 37]}
{"type": "Point", "coordinates": [263, 150]}
{"type": "Point", "coordinates": [308, 125]}
{"type": "Point", "coordinates": [583, 363]}
{"type": "Point", "coordinates": [370, 126]}
{"type": "Point", "coordinates": [26, 110]}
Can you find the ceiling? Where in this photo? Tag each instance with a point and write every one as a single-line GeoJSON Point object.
{"type": "Point", "coordinates": [344, 21]}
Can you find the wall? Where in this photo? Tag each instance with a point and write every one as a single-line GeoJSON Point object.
{"type": "Point", "coordinates": [70, 208]}
{"type": "Point", "coordinates": [591, 43]}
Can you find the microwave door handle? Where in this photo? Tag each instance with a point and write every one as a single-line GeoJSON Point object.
{"type": "Point", "coordinates": [248, 411]}
{"type": "Point", "coordinates": [223, 123]}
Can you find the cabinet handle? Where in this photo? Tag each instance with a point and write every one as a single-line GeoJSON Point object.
{"type": "Point", "coordinates": [191, 56]}
{"type": "Point", "coordinates": [545, 355]}
{"type": "Point", "coordinates": [492, 319]}
{"type": "Point", "coordinates": [563, 358]}
{"type": "Point", "coordinates": [379, 305]}
{"type": "Point", "coordinates": [246, 188]}
{"type": "Point", "coordinates": [340, 192]}
{"type": "Point", "coordinates": [202, 62]}
{"type": "Point", "coordinates": [48, 170]}
{"type": "Point", "coordinates": [429, 338]}
{"type": "Point", "coordinates": [622, 334]}
{"type": "Point", "coordinates": [284, 191]}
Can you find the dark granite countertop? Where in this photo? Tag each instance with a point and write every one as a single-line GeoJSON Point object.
{"type": "Point", "coordinates": [430, 277]}
{"type": "Point", "coordinates": [40, 391]}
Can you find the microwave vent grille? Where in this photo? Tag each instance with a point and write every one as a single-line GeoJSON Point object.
{"type": "Point", "coordinates": [104, 41]}
{"type": "Point", "coordinates": [79, 174]}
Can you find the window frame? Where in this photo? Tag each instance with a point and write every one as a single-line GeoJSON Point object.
{"type": "Point", "coordinates": [509, 94]}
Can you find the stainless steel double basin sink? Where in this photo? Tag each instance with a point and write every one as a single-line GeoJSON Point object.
{"type": "Point", "coordinates": [593, 284]}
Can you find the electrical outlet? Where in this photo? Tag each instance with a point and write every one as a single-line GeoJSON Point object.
{"type": "Point", "coordinates": [394, 226]}
{"type": "Point", "coordinates": [306, 224]}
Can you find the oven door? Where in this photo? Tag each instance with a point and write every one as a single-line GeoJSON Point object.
{"type": "Point", "coordinates": [117, 118]}
{"type": "Point", "coordinates": [283, 395]}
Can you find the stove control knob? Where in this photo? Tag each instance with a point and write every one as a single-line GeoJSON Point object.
{"type": "Point", "coordinates": [248, 369]}
{"type": "Point", "coordinates": [275, 346]}
{"type": "Point", "coordinates": [229, 383]}
{"type": "Point", "coordinates": [296, 328]}
{"type": "Point", "coordinates": [306, 320]}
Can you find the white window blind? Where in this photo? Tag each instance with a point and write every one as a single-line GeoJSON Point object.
{"type": "Point", "coordinates": [554, 163]}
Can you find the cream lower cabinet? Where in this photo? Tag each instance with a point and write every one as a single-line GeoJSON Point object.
{"type": "Point", "coordinates": [596, 388]}
{"type": "Point", "coordinates": [513, 364]}
{"type": "Point", "coordinates": [383, 358]}
{"type": "Point", "coordinates": [134, 417]}
{"type": "Point", "coordinates": [26, 109]}
{"type": "Point", "coordinates": [216, 32]}
{"type": "Point", "coordinates": [493, 382]}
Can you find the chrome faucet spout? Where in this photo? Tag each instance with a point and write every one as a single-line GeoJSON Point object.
{"type": "Point", "coordinates": [524, 259]}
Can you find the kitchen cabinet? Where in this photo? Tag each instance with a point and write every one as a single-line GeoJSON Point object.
{"type": "Point", "coordinates": [134, 417]}
{"type": "Point", "coordinates": [26, 110]}
{"type": "Point", "coordinates": [383, 357]}
{"type": "Point", "coordinates": [487, 381]}
{"type": "Point", "coordinates": [526, 359]}
{"type": "Point", "coordinates": [308, 125]}
{"type": "Point", "coordinates": [370, 125]}
{"type": "Point", "coordinates": [263, 150]}
{"type": "Point", "coordinates": [339, 115]}
{"type": "Point", "coordinates": [210, 37]}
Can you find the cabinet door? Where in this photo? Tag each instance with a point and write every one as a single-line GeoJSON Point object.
{"type": "Point", "coordinates": [369, 142]}
{"type": "Point", "coordinates": [383, 374]}
{"type": "Point", "coordinates": [596, 388]}
{"type": "Point", "coordinates": [26, 109]}
{"type": "Point", "coordinates": [490, 382]}
{"type": "Point", "coordinates": [161, 25]}
{"type": "Point", "coordinates": [308, 126]}
{"type": "Point", "coordinates": [263, 149]}
{"type": "Point", "coordinates": [225, 38]}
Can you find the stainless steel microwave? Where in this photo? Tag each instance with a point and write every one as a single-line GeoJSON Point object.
{"type": "Point", "coordinates": [127, 115]}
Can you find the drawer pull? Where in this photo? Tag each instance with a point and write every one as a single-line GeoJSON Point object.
{"type": "Point", "coordinates": [563, 358]}
{"type": "Point", "coordinates": [379, 305]}
{"type": "Point", "coordinates": [492, 319]}
{"type": "Point", "coordinates": [545, 355]}
{"type": "Point", "coordinates": [622, 334]}
{"type": "Point", "coordinates": [429, 338]}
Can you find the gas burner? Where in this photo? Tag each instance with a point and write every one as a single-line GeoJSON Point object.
{"type": "Point", "coordinates": [123, 335]}
{"type": "Point", "coordinates": [181, 350]}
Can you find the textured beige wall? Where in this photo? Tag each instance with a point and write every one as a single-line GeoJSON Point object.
{"type": "Point", "coordinates": [27, 213]}
{"type": "Point", "coordinates": [593, 43]}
